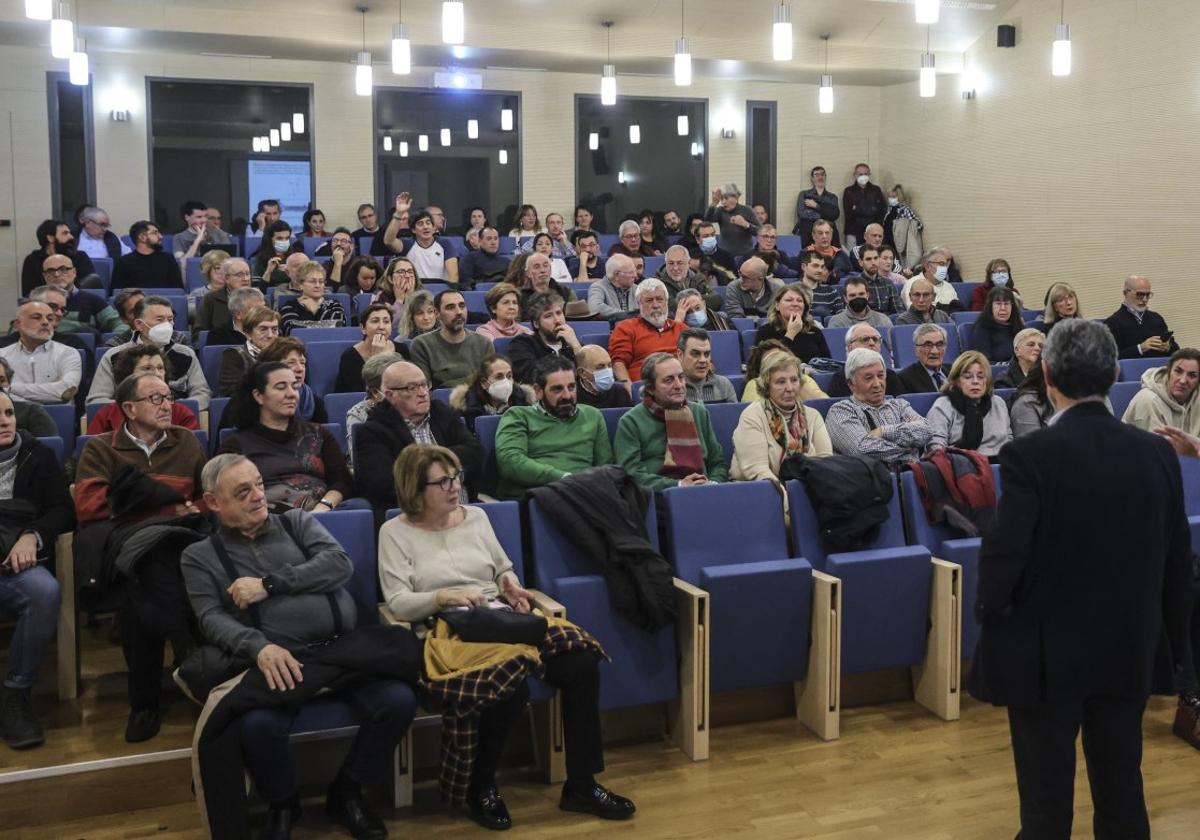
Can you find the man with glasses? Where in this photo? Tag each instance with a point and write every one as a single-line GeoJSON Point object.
{"type": "Point", "coordinates": [935, 269]}
{"type": "Point", "coordinates": [368, 225]}
{"type": "Point", "coordinates": [409, 415]}
{"type": "Point", "coordinates": [148, 266]}
{"type": "Point", "coordinates": [44, 370]}
{"type": "Point", "coordinates": [215, 311]}
{"type": "Point", "coordinates": [863, 337]}
{"type": "Point", "coordinates": [750, 295]}
{"type": "Point", "coordinates": [1138, 330]}
{"type": "Point", "coordinates": [929, 371]}
{"type": "Point", "coordinates": [921, 309]}
{"type": "Point", "coordinates": [162, 489]}
{"type": "Point", "coordinates": [83, 311]}
{"type": "Point", "coordinates": [871, 425]}
{"type": "Point", "coordinates": [95, 237]}
{"type": "Point", "coordinates": [589, 265]}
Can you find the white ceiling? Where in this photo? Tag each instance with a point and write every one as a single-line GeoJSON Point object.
{"type": "Point", "coordinates": [872, 41]}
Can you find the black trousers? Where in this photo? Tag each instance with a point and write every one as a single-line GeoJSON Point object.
{"type": "Point", "coordinates": [1043, 739]}
{"type": "Point", "coordinates": [576, 675]}
{"type": "Point", "coordinates": [155, 610]}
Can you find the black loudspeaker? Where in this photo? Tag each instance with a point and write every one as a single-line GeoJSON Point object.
{"type": "Point", "coordinates": [599, 162]}
{"type": "Point", "coordinates": [1006, 35]}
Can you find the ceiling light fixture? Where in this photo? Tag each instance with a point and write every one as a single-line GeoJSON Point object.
{"type": "Point", "coordinates": [683, 56]}
{"type": "Point", "coordinates": [608, 75]}
{"type": "Point", "coordinates": [504, 157]}
{"type": "Point", "coordinates": [472, 129]}
{"type": "Point", "coordinates": [362, 66]}
{"type": "Point", "coordinates": [39, 9]}
{"type": "Point", "coordinates": [274, 137]}
{"type": "Point", "coordinates": [681, 125]}
{"type": "Point", "coordinates": [401, 45]}
{"type": "Point", "coordinates": [387, 142]}
{"type": "Point", "coordinates": [506, 119]}
{"type": "Point", "coordinates": [62, 32]}
{"type": "Point", "coordinates": [1060, 56]}
{"type": "Point", "coordinates": [593, 141]}
{"type": "Point", "coordinates": [256, 144]}
{"type": "Point", "coordinates": [928, 11]}
{"type": "Point", "coordinates": [77, 65]}
{"type": "Point", "coordinates": [285, 131]}
{"type": "Point", "coordinates": [454, 26]}
{"type": "Point", "coordinates": [298, 122]}
{"type": "Point", "coordinates": [928, 73]}
{"type": "Point", "coordinates": [445, 137]}
{"type": "Point", "coordinates": [825, 93]}
{"type": "Point", "coordinates": [403, 148]}
{"type": "Point", "coordinates": [635, 133]}
{"type": "Point", "coordinates": [423, 142]}
{"type": "Point", "coordinates": [781, 33]}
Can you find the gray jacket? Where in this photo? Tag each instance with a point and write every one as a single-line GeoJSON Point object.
{"type": "Point", "coordinates": [1029, 414]}
{"type": "Point", "coordinates": [846, 319]}
{"type": "Point", "coordinates": [602, 299]}
{"type": "Point", "coordinates": [739, 303]}
{"type": "Point", "coordinates": [946, 423]}
{"type": "Point", "coordinates": [714, 388]}
{"type": "Point", "coordinates": [734, 239]}
{"type": "Point", "coordinates": [187, 380]}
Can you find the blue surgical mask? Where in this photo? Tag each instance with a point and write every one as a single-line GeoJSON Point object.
{"type": "Point", "coordinates": [1000, 278]}
{"type": "Point", "coordinates": [941, 272]}
{"type": "Point", "coordinates": [603, 379]}
{"type": "Point", "coordinates": [708, 244]}
{"type": "Point", "coordinates": [696, 318]}
{"type": "Point", "coordinates": [281, 245]}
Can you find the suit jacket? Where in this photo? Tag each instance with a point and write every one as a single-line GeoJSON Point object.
{"type": "Point", "coordinates": [1089, 559]}
{"type": "Point", "coordinates": [915, 378]}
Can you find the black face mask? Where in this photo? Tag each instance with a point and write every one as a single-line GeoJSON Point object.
{"type": "Point", "coordinates": [859, 305]}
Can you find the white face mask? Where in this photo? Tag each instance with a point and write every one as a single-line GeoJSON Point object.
{"type": "Point", "coordinates": [893, 201]}
{"type": "Point", "coordinates": [863, 180]}
{"type": "Point", "coordinates": [161, 334]}
{"type": "Point", "coordinates": [501, 390]}
{"type": "Point", "coordinates": [1000, 278]}
{"type": "Point", "coordinates": [281, 245]}
{"type": "Point", "coordinates": [603, 379]}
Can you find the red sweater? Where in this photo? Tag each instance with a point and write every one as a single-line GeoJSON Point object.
{"type": "Point", "coordinates": [176, 462]}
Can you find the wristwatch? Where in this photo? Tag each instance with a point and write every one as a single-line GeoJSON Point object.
{"type": "Point", "coordinates": [268, 585]}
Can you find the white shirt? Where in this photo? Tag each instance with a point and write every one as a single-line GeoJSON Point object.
{"type": "Point", "coordinates": [95, 248]}
{"type": "Point", "coordinates": [430, 262]}
{"type": "Point", "coordinates": [148, 448]}
{"type": "Point", "coordinates": [558, 271]}
{"type": "Point", "coordinates": [43, 375]}
{"type": "Point", "coordinates": [943, 293]}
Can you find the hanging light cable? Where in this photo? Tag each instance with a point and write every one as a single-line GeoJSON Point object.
{"type": "Point", "coordinates": [401, 45]}
{"type": "Point", "coordinates": [781, 33]}
{"type": "Point", "coordinates": [608, 76]}
{"type": "Point", "coordinates": [928, 74]}
{"type": "Point", "coordinates": [825, 93]}
{"type": "Point", "coordinates": [683, 57]}
{"type": "Point", "coordinates": [362, 69]}
{"type": "Point", "coordinates": [1060, 56]}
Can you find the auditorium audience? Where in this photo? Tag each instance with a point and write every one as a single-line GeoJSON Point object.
{"type": "Point", "coordinates": [409, 415]}
{"type": "Point", "coordinates": [997, 326]}
{"type": "Point", "coordinates": [139, 358]}
{"type": "Point", "coordinates": [927, 373]}
{"type": "Point", "coordinates": [704, 384]}
{"type": "Point", "coordinates": [969, 415]}
{"type": "Point", "coordinates": [921, 309]}
{"type": "Point", "coordinates": [368, 225]}
{"type": "Point", "coordinates": [551, 336]}
{"type": "Point", "coordinates": [1031, 407]}
{"type": "Point", "coordinates": [1062, 301]}
{"type": "Point", "coordinates": [790, 320]}
{"type": "Point", "coordinates": [311, 308]}
{"type": "Point", "coordinates": [526, 224]}
{"type": "Point", "coordinates": [869, 423]}
{"type": "Point", "coordinates": [815, 204]}
{"type": "Point", "coordinates": [431, 255]}
{"type": "Point", "coordinates": [96, 238]}
{"type": "Point", "coordinates": [141, 482]}
{"type": "Point", "coordinates": [588, 265]}
{"type": "Point", "coordinates": [996, 274]}
{"type": "Point", "coordinates": [560, 243]}
{"type": "Point", "coordinates": [596, 379]}
{"type": "Point", "coordinates": [34, 508]}
{"type": "Point", "coordinates": [881, 291]}
{"type": "Point", "coordinates": [633, 340]}
{"type": "Point", "coordinates": [54, 237]}
{"type": "Point", "coordinates": [751, 294]}
{"type": "Point", "coordinates": [397, 285]}
{"type": "Point", "coordinates": [935, 268]}
{"type": "Point", "coordinates": [758, 357]}
{"type": "Point", "coordinates": [777, 425]}
{"type": "Point", "coordinates": [888, 264]}
{"type": "Point", "coordinates": [83, 311]}
{"type": "Point", "coordinates": [213, 308]}
{"type": "Point", "coordinates": [629, 241]}
{"type": "Point", "coordinates": [583, 220]}
{"type": "Point", "coordinates": [301, 463]}
{"type": "Point", "coordinates": [1138, 330]}
{"type": "Point", "coordinates": [849, 261]}
{"type": "Point", "coordinates": [676, 274]}
{"type": "Point", "coordinates": [657, 458]}
{"type": "Point", "coordinates": [766, 248]}
{"type": "Point", "coordinates": [486, 265]}
{"type": "Point", "coordinates": [544, 244]}
{"type": "Point", "coordinates": [613, 296]}
{"type": "Point", "coordinates": [44, 370]}
{"type": "Point", "coordinates": [1168, 395]}
{"type": "Point", "coordinates": [858, 307]}
{"type": "Point", "coordinates": [816, 276]}
{"type": "Point", "coordinates": [1027, 353]}
{"type": "Point", "coordinates": [551, 436]}
{"type": "Point", "coordinates": [492, 390]}
{"type": "Point", "coordinates": [866, 337]}
{"type": "Point", "coordinates": [530, 273]}
{"type": "Point", "coordinates": [31, 417]}
{"type": "Point", "coordinates": [273, 251]}
{"type": "Point", "coordinates": [147, 266]}
{"type": "Point", "coordinates": [359, 276]}
{"type": "Point", "coordinates": [736, 221]}
{"type": "Point", "coordinates": [708, 257]}
{"type": "Point", "coordinates": [902, 230]}
{"type": "Point", "coordinates": [419, 316]}
{"type": "Point", "coordinates": [697, 311]}
{"type": "Point", "coordinates": [196, 232]}
{"type": "Point", "coordinates": [504, 303]}
{"type": "Point", "coordinates": [376, 324]}
{"type": "Point", "coordinates": [451, 354]}
{"type": "Point", "coordinates": [260, 326]}
{"type": "Point", "coordinates": [862, 203]}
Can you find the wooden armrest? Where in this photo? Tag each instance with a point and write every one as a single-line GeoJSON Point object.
{"type": "Point", "coordinates": [547, 604]}
{"type": "Point", "coordinates": [386, 616]}
{"type": "Point", "coordinates": [686, 590]}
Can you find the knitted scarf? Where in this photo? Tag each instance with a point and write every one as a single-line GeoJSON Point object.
{"type": "Point", "coordinates": [789, 431]}
{"type": "Point", "coordinates": [973, 412]}
{"type": "Point", "coordinates": [511, 331]}
{"type": "Point", "coordinates": [684, 455]}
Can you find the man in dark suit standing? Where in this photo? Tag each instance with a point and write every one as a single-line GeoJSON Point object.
{"type": "Point", "coordinates": [928, 373]}
{"type": "Point", "coordinates": [1088, 561]}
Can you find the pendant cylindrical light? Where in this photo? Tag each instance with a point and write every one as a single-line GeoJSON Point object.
{"type": "Point", "coordinates": [401, 50]}
{"type": "Point", "coordinates": [825, 95]}
{"type": "Point", "coordinates": [928, 76]}
{"type": "Point", "coordinates": [445, 137]}
{"type": "Point", "coordinates": [472, 129]}
{"type": "Point", "coordinates": [363, 74]}
{"type": "Point", "coordinates": [77, 64]}
{"type": "Point", "coordinates": [298, 122]}
{"type": "Point", "coordinates": [285, 131]}
{"type": "Point", "coordinates": [621, 177]}
{"type": "Point", "coordinates": [781, 33]}
{"type": "Point", "coordinates": [506, 119]}
{"type": "Point", "coordinates": [608, 85]}
{"type": "Point", "coordinates": [39, 9]}
{"type": "Point", "coordinates": [423, 142]}
{"type": "Point", "coordinates": [695, 148]}
{"type": "Point", "coordinates": [681, 125]}
{"type": "Point", "coordinates": [635, 133]}
{"type": "Point", "coordinates": [387, 142]}
{"type": "Point", "coordinates": [593, 141]}
{"type": "Point", "coordinates": [62, 32]}
{"type": "Point", "coordinates": [453, 22]}
{"type": "Point", "coordinates": [256, 144]}
{"type": "Point", "coordinates": [928, 11]}
{"type": "Point", "coordinates": [1060, 57]}
{"type": "Point", "coordinates": [403, 148]}
{"type": "Point", "coordinates": [683, 63]}
{"type": "Point", "coordinates": [274, 137]}
{"type": "Point", "coordinates": [504, 157]}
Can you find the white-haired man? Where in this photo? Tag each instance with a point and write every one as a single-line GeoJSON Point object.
{"type": "Point", "coordinates": [869, 423]}
{"type": "Point", "coordinates": [634, 339]}
{"type": "Point", "coordinates": [613, 297]}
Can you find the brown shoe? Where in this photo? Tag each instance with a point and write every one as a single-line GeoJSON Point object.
{"type": "Point", "coordinates": [1187, 724]}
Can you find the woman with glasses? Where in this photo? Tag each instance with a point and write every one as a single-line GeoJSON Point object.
{"type": "Point", "coordinates": [140, 358]}
{"type": "Point", "coordinates": [311, 308]}
{"type": "Point", "coordinates": [993, 333]}
{"type": "Point", "coordinates": [766, 248]}
{"type": "Point", "coordinates": [301, 463]}
{"type": "Point", "coordinates": [397, 285]}
{"type": "Point", "coordinates": [969, 415]}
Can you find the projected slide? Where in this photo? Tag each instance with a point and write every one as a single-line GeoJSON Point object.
{"type": "Point", "coordinates": [289, 181]}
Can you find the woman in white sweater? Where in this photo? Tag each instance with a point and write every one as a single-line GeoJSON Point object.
{"type": "Point", "coordinates": [969, 415]}
{"type": "Point", "coordinates": [777, 424]}
{"type": "Point", "coordinates": [442, 555]}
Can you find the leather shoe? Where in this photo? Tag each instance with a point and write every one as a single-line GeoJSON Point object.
{"type": "Point", "coordinates": [351, 813]}
{"type": "Point", "coordinates": [1187, 724]}
{"type": "Point", "coordinates": [598, 801]}
{"type": "Point", "coordinates": [488, 809]}
{"type": "Point", "coordinates": [142, 726]}
{"type": "Point", "coordinates": [280, 822]}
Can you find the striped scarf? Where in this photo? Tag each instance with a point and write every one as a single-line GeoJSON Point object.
{"type": "Point", "coordinates": [683, 456]}
{"type": "Point", "coordinates": [790, 432]}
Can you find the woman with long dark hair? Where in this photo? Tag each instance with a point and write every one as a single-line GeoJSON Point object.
{"type": "Point", "coordinates": [998, 324]}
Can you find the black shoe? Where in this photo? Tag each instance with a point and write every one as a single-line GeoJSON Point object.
{"type": "Point", "coordinates": [598, 801]}
{"type": "Point", "coordinates": [488, 809]}
{"type": "Point", "coordinates": [21, 729]}
{"type": "Point", "coordinates": [280, 821]}
{"type": "Point", "coordinates": [350, 811]}
{"type": "Point", "coordinates": [142, 726]}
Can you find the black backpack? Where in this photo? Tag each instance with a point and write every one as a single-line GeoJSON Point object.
{"type": "Point", "coordinates": [849, 494]}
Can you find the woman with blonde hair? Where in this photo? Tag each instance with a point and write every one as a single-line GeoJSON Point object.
{"type": "Point", "coordinates": [1062, 301]}
{"type": "Point", "coordinates": [214, 279]}
{"type": "Point", "coordinates": [969, 415]}
{"type": "Point", "coordinates": [760, 354]}
{"type": "Point", "coordinates": [418, 316]}
{"type": "Point", "coordinates": [790, 320]}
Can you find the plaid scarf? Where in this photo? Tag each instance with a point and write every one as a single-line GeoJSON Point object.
{"type": "Point", "coordinates": [791, 433]}
{"type": "Point", "coordinates": [905, 211]}
{"type": "Point", "coordinates": [464, 694]}
{"type": "Point", "coordinates": [684, 455]}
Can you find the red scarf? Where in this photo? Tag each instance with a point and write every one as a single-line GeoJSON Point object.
{"type": "Point", "coordinates": [684, 455]}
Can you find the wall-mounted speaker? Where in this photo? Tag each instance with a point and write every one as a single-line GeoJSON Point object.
{"type": "Point", "coordinates": [1006, 35]}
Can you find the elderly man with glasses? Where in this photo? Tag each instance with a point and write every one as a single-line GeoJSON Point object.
{"type": "Point", "coordinates": [1138, 330]}
{"type": "Point", "coordinates": [83, 311]}
{"type": "Point", "coordinates": [865, 337]}
{"type": "Point", "coordinates": [928, 373]}
{"type": "Point", "coordinates": [870, 423]}
{"type": "Point", "coordinates": [95, 237]}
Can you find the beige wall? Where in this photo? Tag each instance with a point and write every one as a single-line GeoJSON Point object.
{"type": "Point", "coordinates": [1082, 179]}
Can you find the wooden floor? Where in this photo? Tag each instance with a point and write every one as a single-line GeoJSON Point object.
{"type": "Point", "coordinates": [897, 772]}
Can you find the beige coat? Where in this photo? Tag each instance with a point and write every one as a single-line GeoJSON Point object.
{"type": "Point", "coordinates": [756, 453]}
{"type": "Point", "coordinates": [1154, 407]}
{"type": "Point", "coordinates": [909, 246]}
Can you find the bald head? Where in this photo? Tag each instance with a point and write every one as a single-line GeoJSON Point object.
{"type": "Point", "coordinates": [407, 391]}
{"type": "Point", "coordinates": [35, 323]}
{"type": "Point", "coordinates": [293, 263]}
{"type": "Point", "coordinates": [753, 273]}
{"type": "Point", "coordinates": [591, 357]}
{"type": "Point", "coordinates": [873, 235]}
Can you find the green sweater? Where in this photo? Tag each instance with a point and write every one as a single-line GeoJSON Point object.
{"type": "Point", "coordinates": [534, 449]}
{"type": "Point", "coordinates": [642, 445]}
{"type": "Point", "coordinates": [446, 365]}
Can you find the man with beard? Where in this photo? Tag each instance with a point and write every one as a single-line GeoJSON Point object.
{"type": "Point", "coordinates": [552, 439]}
{"type": "Point", "coordinates": [450, 356]}
{"type": "Point", "coordinates": [634, 339]}
{"type": "Point", "coordinates": [552, 336]}
{"type": "Point", "coordinates": [667, 441]}
{"type": "Point", "coordinates": [148, 266]}
{"type": "Point", "coordinates": [54, 237]}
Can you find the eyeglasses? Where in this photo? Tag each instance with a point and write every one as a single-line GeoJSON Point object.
{"type": "Point", "coordinates": [932, 345]}
{"type": "Point", "coordinates": [404, 272]}
{"type": "Point", "coordinates": [55, 308]}
{"type": "Point", "coordinates": [1141, 295]}
{"type": "Point", "coordinates": [61, 270]}
{"type": "Point", "coordinates": [868, 339]}
{"type": "Point", "coordinates": [445, 482]}
{"type": "Point", "coordinates": [414, 388]}
{"type": "Point", "coordinates": [156, 399]}
{"type": "Point", "coordinates": [102, 225]}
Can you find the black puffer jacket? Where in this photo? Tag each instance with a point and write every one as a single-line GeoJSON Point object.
{"type": "Point", "coordinates": [849, 494]}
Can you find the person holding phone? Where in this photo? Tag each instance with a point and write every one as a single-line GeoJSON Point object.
{"type": "Point", "coordinates": [1138, 330]}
